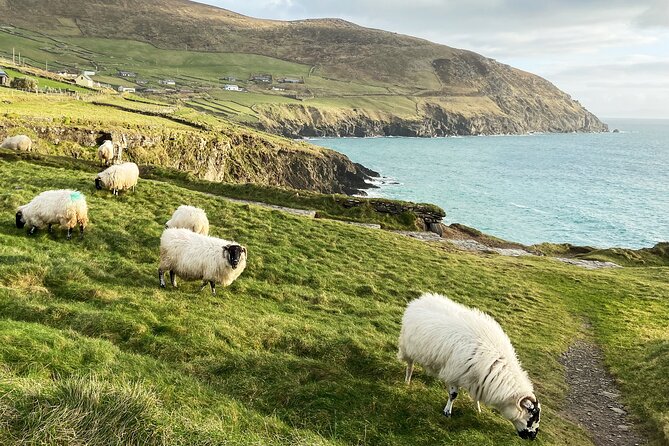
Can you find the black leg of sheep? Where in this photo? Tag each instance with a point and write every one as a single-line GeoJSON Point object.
{"type": "Point", "coordinates": [32, 230]}
{"type": "Point", "coordinates": [161, 278]}
{"type": "Point", "coordinates": [69, 233]}
{"type": "Point", "coordinates": [173, 279]}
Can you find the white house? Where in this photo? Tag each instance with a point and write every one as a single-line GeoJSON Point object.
{"type": "Point", "coordinates": [123, 89]}
{"type": "Point", "coordinates": [84, 81]}
{"type": "Point", "coordinates": [231, 87]}
{"type": "Point", "coordinates": [88, 73]}
{"type": "Point", "coordinates": [167, 82]}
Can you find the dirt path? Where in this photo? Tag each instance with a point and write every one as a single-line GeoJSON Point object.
{"type": "Point", "coordinates": [593, 401]}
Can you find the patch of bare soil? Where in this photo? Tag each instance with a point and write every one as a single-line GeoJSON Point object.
{"type": "Point", "coordinates": [593, 401]}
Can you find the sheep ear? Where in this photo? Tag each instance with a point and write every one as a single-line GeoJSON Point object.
{"type": "Point", "coordinates": [244, 250]}
{"type": "Point", "coordinates": [526, 403]}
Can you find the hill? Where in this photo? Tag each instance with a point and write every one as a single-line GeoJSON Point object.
{"type": "Point", "coordinates": [351, 80]}
{"type": "Point", "coordinates": [301, 349]}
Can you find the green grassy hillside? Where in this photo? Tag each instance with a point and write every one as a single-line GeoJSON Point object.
{"type": "Point", "coordinates": [301, 348]}
{"type": "Point", "coordinates": [356, 80]}
{"type": "Point", "coordinates": [176, 137]}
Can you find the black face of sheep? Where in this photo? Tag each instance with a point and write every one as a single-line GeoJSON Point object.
{"type": "Point", "coordinates": [98, 184]}
{"type": "Point", "coordinates": [19, 220]}
{"type": "Point", "coordinates": [531, 418]}
{"type": "Point", "coordinates": [235, 254]}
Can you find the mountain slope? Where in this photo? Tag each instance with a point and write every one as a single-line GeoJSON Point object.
{"type": "Point", "coordinates": [449, 91]}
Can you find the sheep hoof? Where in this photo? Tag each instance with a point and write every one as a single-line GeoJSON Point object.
{"type": "Point", "coordinates": [447, 414]}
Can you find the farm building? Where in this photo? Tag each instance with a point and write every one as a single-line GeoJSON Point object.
{"type": "Point", "coordinates": [88, 73]}
{"type": "Point", "coordinates": [264, 78]}
{"type": "Point", "coordinates": [229, 78]}
{"type": "Point", "coordinates": [126, 73]}
{"type": "Point", "coordinates": [84, 81]}
{"type": "Point", "coordinates": [231, 87]}
{"type": "Point", "coordinates": [123, 89]}
{"type": "Point", "coordinates": [4, 78]}
{"type": "Point", "coordinates": [291, 80]}
{"type": "Point", "coordinates": [167, 82]}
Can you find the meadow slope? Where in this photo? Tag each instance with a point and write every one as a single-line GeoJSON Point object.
{"type": "Point", "coordinates": [301, 348]}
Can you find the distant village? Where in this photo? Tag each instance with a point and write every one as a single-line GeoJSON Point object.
{"type": "Point", "coordinates": [21, 76]}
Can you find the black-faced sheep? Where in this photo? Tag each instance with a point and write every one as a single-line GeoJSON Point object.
{"type": "Point", "coordinates": [117, 178]}
{"type": "Point", "coordinates": [466, 348]}
{"type": "Point", "coordinates": [64, 207]}
{"type": "Point", "coordinates": [194, 256]}
{"type": "Point", "coordinates": [191, 218]}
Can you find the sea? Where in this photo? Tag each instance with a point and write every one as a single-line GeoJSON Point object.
{"type": "Point", "coordinates": [595, 189]}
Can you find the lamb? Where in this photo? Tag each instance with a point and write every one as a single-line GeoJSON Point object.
{"type": "Point", "coordinates": [195, 256]}
{"type": "Point", "coordinates": [191, 218]}
{"type": "Point", "coordinates": [18, 142]}
{"type": "Point", "coordinates": [106, 152]}
{"type": "Point", "coordinates": [64, 207]}
{"type": "Point", "coordinates": [466, 348]}
{"type": "Point", "coordinates": [118, 177]}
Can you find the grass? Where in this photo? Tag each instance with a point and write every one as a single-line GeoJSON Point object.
{"type": "Point", "coordinates": [301, 348]}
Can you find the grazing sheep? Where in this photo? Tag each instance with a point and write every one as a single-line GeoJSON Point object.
{"type": "Point", "coordinates": [191, 218]}
{"type": "Point", "coordinates": [106, 152]}
{"type": "Point", "coordinates": [194, 256]}
{"type": "Point", "coordinates": [18, 142]}
{"type": "Point", "coordinates": [117, 178]}
{"type": "Point", "coordinates": [64, 207]}
{"type": "Point", "coordinates": [466, 348]}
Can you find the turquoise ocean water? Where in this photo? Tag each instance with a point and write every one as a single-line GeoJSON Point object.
{"type": "Point", "coordinates": [609, 189]}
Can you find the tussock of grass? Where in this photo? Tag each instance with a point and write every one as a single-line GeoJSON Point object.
{"type": "Point", "coordinates": [301, 348]}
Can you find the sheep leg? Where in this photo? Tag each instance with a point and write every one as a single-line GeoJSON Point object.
{"type": "Point", "coordinates": [32, 230]}
{"type": "Point", "coordinates": [81, 230]}
{"type": "Point", "coordinates": [213, 287]}
{"type": "Point", "coordinates": [50, 228]}
{"type": "Point", "coordinates": [204, 284]}
{"type": "Point", "coordinates": [478, 406]}
{"type": "Point", "coordinates": [161, 278]}
{"type": "Point", "coordinates": [452, 395]}
{"type": "Point", "coordinates": [408, 373]}
{"type": "Point", "coordinates": [69, 233]}
{"type": "Point", "coordinates": [173, 278]}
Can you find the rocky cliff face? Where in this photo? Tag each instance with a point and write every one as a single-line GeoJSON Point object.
{"type": "Point", "coordinates": [233, 158]}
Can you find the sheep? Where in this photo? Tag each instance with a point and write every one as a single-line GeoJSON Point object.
{"type": "Point", "coordinates": [18, 142]}
{"type": "Point", "coordinates": [118, 177]}
{"type": "Point", "coordinates": [106, 152]}
{"type": "Point", "coordinates": [191, 218]}
{"type": "Point", "coordinates": [466, 348]}
{"type": "Point", "coordinates": [65, 207]}
{"type": "Point", "coordinates": [195, 256]}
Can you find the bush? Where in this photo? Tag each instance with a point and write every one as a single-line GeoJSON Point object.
{"type": "Point", "coordinates": [24, 83]}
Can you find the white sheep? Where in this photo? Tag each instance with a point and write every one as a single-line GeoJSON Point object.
{"type": "Point", "coordinates": [194, 256]}
{"type": "Point", "coordinates": [106, 152]}
{"type": "Point", "coordinates": [64, 207]}
{"type": "Point", "coordinates": [191, 218]}
{"type": "Point", "coordinates": [18, 142]}
{"type": "Point", "coordinates": [466, 348]}
{"type": "Point", "coordinates": [118, 177]}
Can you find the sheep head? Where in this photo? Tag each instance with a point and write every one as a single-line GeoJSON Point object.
{"type": "Point", "coordinates": [235, 253]}
{"type": "Point", "coordinates": [525, 415]}
{"type": "Point", "coordinates": [20, 223]}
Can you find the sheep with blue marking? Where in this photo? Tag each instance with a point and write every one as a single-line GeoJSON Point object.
{"type": "Point", "coordinates": [64, 207]}
{"type": "Point", "coordinates": [192, 256]}
{"type": "Point", "coordinates": [464, 347]}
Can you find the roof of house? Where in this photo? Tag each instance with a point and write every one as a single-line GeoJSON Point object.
{"type": "Point", "coordinates": [2, 73]}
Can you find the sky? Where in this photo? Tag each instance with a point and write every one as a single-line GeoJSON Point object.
{"type": "Point", "coordinates": [611, 55]}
